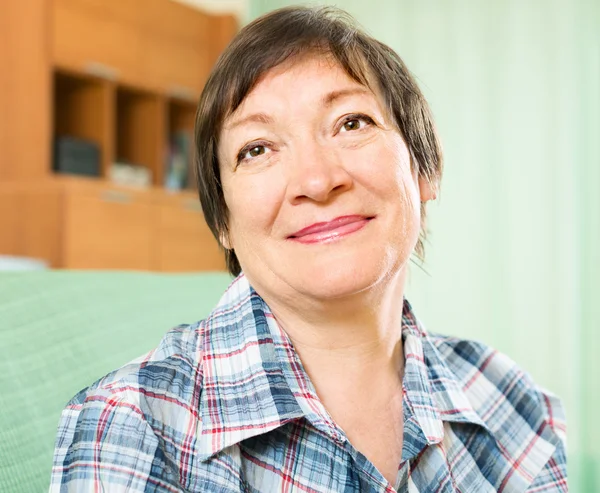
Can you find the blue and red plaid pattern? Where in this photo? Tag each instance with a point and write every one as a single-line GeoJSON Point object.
{"type": "Point", "coordinates": [224, 405]}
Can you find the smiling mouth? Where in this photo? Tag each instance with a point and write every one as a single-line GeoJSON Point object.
{"type": "Point", "coordinates": [331, 230]}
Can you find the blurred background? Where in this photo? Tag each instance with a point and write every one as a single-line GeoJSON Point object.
{"type": "Point", "coordinates": [97, 103]}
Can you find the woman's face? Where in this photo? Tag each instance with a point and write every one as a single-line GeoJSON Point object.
{"type": "Point", "coordinates": [322, 201]}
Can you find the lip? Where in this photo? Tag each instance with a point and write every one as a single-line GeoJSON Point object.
{"type": "Point", "coordinates": [330, 230]}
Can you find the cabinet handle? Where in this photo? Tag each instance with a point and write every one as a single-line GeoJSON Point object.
{"type": "Point", "coordinates": [116, 196]}
{"type": "Point", "coordinates": [103, 71]}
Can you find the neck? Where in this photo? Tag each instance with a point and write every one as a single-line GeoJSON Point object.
{"type": "Point", "coordinates": [347, 344]}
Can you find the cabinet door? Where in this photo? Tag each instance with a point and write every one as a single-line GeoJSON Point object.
{"type": "Point", "coordinates": [30, 220]}
{"type": "Point", "coordinates": [184, 241]}
{"type": "Point", "coordinates": [25, 94]}
{"type": "Point", "coordinates": [107, 229]}
{"type": "Point", "coordinates": [222, 30]}
{"type": "Point", "coordinates": [99, 37]}
{"type": "Point", "coordinates": [175, 68]}
{"type": "Point", "coordinates": [9, 221]}
{"type": "Point", "coordinates": [175, 47]}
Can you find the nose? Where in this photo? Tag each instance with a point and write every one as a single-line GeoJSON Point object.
{"type": "Point", "coordinates": [318, 174]}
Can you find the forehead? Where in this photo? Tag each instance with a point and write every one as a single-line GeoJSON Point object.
{"type": "Point", "coordinates": [298, 82]}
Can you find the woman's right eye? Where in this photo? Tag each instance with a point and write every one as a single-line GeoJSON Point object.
{"type": "Point", "coordinates": [252, 151]}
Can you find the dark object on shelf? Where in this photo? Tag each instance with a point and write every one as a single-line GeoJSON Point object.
{"type": "Point", "coordinates": [76, 156]}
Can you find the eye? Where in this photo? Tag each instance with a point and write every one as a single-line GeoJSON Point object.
{"type": "Point", "coordinates": [251, 151]}
{"type": "Point", "coordinates": [256, 151]}
{"type": "Point", "coordinates": [355, 122]}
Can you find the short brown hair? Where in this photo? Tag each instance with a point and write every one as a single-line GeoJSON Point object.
{"type": "Point", "coordinates": [280, 36]}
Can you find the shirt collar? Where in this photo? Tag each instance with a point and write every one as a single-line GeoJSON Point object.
{"type": "Point", "coordinates": [253, 380]}
{"type": "Point", "coordinates": [432, 392]}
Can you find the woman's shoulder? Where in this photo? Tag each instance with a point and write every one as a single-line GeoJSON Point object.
{"type": "Point", "coordinates": [176, 359]}
{"type": "Point", "coordinates": [498, 387]}
{"type": "Point", "coordinates": [118, 424]}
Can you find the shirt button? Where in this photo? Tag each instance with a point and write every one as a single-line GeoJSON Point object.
{"type": "Point", "coordinates": [339, 439]}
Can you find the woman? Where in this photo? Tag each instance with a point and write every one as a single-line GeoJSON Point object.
{"type": "Point", "coordinates": [316, 156]}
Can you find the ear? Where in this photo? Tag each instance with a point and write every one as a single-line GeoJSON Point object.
{"type": "Point", "coordinates": [427, 191]}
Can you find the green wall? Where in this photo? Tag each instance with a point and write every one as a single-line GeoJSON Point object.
{"type": "Point", "coordinates": [515, 238]}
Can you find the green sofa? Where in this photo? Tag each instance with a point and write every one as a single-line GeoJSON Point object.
{"type": "Point", "coordinates": [62, 330]}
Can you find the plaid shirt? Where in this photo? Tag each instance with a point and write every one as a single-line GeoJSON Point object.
{"type": "Point", "coordinates": [224, 405]}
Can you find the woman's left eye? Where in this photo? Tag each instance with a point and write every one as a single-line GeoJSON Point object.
{"type": "Point", "coordinates": [355, 122]}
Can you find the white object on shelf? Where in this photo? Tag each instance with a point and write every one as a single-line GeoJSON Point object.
{"type": "Point", "coordinates": [130, 175]}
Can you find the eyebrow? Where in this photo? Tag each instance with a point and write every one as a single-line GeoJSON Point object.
{"type": "Point", "coordinates": [333, 96]}
{"type": "Point", "coordinates": [326, 101]}
{"type": "Point", "coordinates": [253, 118]}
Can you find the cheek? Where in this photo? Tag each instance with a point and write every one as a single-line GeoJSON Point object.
{"type": "Point", "coordinates": [388, 175]}
{"type": "Point", "coordinates": [253, 202]}
{"type": "Point", "coordinates": [386, 170]}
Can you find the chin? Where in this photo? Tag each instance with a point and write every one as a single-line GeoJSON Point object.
{"type": "Point", "coordinates": [344, 277]}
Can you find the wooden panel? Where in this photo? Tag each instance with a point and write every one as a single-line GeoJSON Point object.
{"type": "Point", "coordinates": [141, 130]}
{"type": "Point", "coordinates": [175, 53]}
{"type": "Point", "coordinates": [174, 20]}
{"type": "Point", "coordinates": [30, 215]}
{"type": "Point", "coordinates": [78, 223]}
{"type": "Point", "coordinates": [24, 90]}
{"type": "Point", "coordinates": [42, 223]}
{"type": "Point", "coordinates": [100, 37]}
{"type": "Point", "coordinates": [184, 241]}
{"type": "Point", "coordinates": [10, 225]}
{"type": "Point", "coordinates": [107, 228]}
{"type": "Point", "coordinates": [175, 67]}
{"type": "Point", "coordinates": [128, 11]}
{"type": "Point", "coordinates": [223, 28]}
{"type": "Point", "coordinates": [84, 107]}
{"type": "Point", "coordinates": [153, 44]}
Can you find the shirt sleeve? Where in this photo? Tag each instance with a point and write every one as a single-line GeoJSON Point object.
{"type": "Point", "coordinates": [553, 476]}
{"type": "Point", "coordinates": [105, 444]}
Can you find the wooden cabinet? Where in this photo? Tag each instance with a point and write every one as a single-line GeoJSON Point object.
{"type": "Point", "coordinates": [106, 227]}
{"type": "Point", "coordinates": [184, 240]}
{"type": "Point", "coordinates": [75, 223]}
{"type": "Point", "coordinates": [153, 44]}
{"type": "Point", "coordinates": [125, 75]}
{"type": "Point", "coordinates": [173, 67]}
{"type": "Point", "coordinates": [120, 228]}
{"type": "Point", "coordinates": [84, 107]}
{"type": "Point", "coordinates": [222, 30]}
{"type": "Point", "coordinates": [140, 130]}
{"type": "Point", "coordinates": [30, 220]}
{"type": "Point", "coordinates": [25, 88]}
{"type": "Point", "coordinates": [9, 221]}
{"type": "Point", "coordinates": [97, 37]}
{"type": "Point", "coordinates": [176, 44]}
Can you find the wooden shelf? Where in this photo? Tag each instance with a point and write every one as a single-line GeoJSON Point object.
{"type": "Point", "coordinates": [125, 76]}
{"type": "Point", "coordinates": [181, 118]}
{"type": "Point", "coordinates": [182, 115]}
{"type": "Point", "coordinates": [86, 184]}
{"type": "Point", "coordinates": [83, 107]}
{"type": "Point", "coordinates": [139, 130]}
{"type": "Point", "coordinates": [128, 124]}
